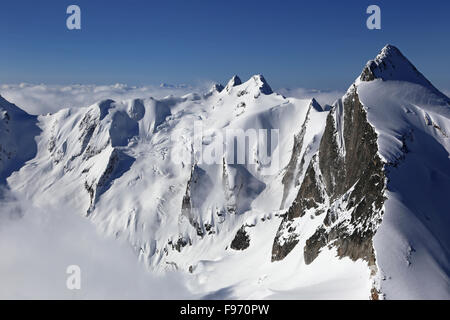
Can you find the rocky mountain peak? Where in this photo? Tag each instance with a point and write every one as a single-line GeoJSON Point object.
{"type": "Point", "coordinates": [391, 64]}
{"type": "Point", "coordinates": [216, 87]}
{"type": "Point", "coordinates": [262, 84]}
{"type": "Point", "coordinates": [234, 81]}
{"type": "Point", "coordinates": [314, 104]}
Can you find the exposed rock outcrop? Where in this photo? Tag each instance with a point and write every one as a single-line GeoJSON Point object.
{"type": "Point", "coordinates": [241, 241]}
{"type": "Point", "coordinates": [348, 178]}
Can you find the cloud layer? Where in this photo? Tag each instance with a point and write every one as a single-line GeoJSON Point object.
{"type": "Point", "coordinates": [42, 99]}
{"type": "Point", "coordinates": [322, 96]}
{"type": "Point", "coordinates": [38, 244]}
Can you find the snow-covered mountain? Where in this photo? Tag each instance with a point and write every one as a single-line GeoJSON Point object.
{"type": "Point", "coordinates": [347, 203]}
{"type": "Point", "coordinates": [17, 145]}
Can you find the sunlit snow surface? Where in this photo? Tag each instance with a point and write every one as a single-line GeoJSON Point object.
{"type": "Point", "coordinates": [412, 243]}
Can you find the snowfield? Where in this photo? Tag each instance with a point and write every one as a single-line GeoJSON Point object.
{"type": "Point", "coordinates": [149, 209]}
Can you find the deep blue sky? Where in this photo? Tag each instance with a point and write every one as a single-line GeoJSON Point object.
{"type": "Point", "coordinates": [313, 44]}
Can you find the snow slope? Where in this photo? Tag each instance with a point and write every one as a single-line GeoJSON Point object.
{"type": "Point", "coordinates": [412, 120]}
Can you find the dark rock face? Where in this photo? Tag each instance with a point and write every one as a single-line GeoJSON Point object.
{"type": "Point", "coordinates": [186, 205]}
{"type": "Point", "coordinates": [360, 143]}
{"type": "Point", "coordinates": [295, 165]}
{"type": "Point", "coordinates": [349, 180]}
{"type": "Point", "coordinates": [367, 73]}
{"type": "Point", "coordinates": [353, 245]}
{"type": "Point", "coordinates": [241, 241]}
{"type": "Point", "coordinates": [290, 175]}
{"type": "Point", "coordinates": [218, 87]}
{"type": "Point", "coordinates": [180, 243]}
{"type": "Point", "coordinates": [264, 87]}
{"type": "Point", "coordinates": [235, 81]}
{"type": "Point", "coordinates": [309, 195]}
{"type": "Point", "coordinates": [87, 127]}
{"type": "Point", "coordinates": [282, 246]}
{"type": "Point", "coordinates": [314, 244]}
{"type": "Point", "coordinates": [357, 180]}
{"type": "Point", "coordinates": [329, 157]}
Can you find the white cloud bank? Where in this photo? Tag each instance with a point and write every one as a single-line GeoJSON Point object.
{"type": "Point", "coordinates": [42, 99]}
{"type": "Point", "coordinates": [37, 245]}
{"type": "Point", "coordinates": [324, 97]}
